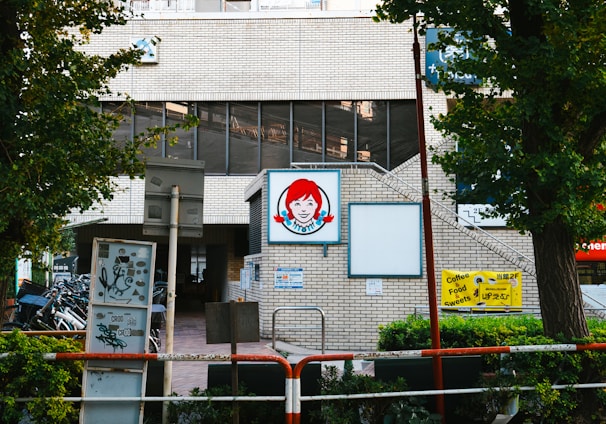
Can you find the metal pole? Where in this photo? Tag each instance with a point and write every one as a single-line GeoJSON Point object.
{"type": "Point", "coordinates": [427, 228]}
{"type": "Point", "coordinates": [170, 297]}
{"type": "Point", "coordinates": [233, 323]}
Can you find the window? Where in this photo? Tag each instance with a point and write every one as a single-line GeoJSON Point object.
{"type": "Point", "coordinates": [307, 137]}
{"type": "Point", "coordinates": [339, 131]}
{"type": "Point", "coordinates": [149, 115]}
{"type": "Point", "coordinates": [184, 148]}
{"type": "Point", "coordinates": [592, 272]}
{"type": "Point", "coordinates": [122, 112]}
{"type": "Point", "coordinates": [372, 132]}
{"type": "Point", "coordinates": [211, 137]}
{"type": "Point", "coordinates": [403, 132]}
{"type": "Point", "coordinates": [243, 138]}
{"type": "Point", "coordinates": [275, 138]}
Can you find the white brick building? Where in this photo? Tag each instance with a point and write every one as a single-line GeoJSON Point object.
{"type": "Point", "coordinates": [280, 82]}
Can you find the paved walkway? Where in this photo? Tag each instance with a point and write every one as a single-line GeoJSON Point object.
{"type": "Point", "coordinates": [190, 337]}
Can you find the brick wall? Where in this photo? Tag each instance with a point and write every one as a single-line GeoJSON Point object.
{"type": "Point", "coordinates": [266, 59]}
{"type": "Point", "coordinates": [353, 317]}
{"type": "Point", "coordinates": [208, 59]}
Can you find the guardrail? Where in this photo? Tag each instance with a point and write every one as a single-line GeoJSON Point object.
{"type": "Point", "coordinates": [298, 308]}
{"type": "Point", "coordinates": [292, 393]}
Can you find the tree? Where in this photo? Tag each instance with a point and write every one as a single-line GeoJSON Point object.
{"type": "Point", "coordinates": [57, 152]}
{"type": "Point", "coordinates": [532, 138]}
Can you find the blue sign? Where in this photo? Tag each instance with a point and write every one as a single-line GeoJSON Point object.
{"type": "Point", "coordinates": [288, 278]}
{"type": "Point", "coordinates": [437, 61]}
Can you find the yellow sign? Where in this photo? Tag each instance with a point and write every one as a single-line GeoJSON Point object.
{"type": "Point", "coordinates": [498, 290]}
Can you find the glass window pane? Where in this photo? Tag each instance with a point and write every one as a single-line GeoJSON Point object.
{"type": "Point", "coordinates": [121, 111]}
{"type": "Point", "coordinates": [404, 142]}
{"type": "Point", "coordinates": [184, 146]}
{"type": "Point", "coordinates": [211, 137]}
{"type": "Point", "coordinates": [148, 115]}
{"type": "Point", "coordinates": [372, 132]}
{"type": "Point", "coordinates": [275, 149]}
{"type": "Point", "coordinates": [307, 140]}
{"type": "Point", "coordinates": [339, 131]}
{"type": "Point", "coordinates": [243, 139]}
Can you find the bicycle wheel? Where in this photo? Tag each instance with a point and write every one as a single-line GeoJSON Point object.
{"type": "Point", "coordinates": [154, 345]}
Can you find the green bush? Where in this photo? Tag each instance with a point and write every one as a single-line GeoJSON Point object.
{"type": "Point", "coordinates": [544, 369]}
{"type": "Point", "coordinates": [368, 410]}
{"type": "Point", "coordinates": [28, 374]}
{"type": "Point", "coordinates": [201, 412]}
{"type": "Point", "coordinates": [457, 331]}
{"type": "Point", "coordinates": [538, 369]}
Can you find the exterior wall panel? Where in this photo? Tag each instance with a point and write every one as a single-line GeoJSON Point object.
{"type": "Point", "coordinates": [280, 59]}
{"type": "Point", "coordinates": [266, 59]}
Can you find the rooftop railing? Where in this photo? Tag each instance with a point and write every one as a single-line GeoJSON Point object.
{"type": "Point", "coordinates": [206, 6]}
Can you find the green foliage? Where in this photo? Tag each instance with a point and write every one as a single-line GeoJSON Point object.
{"type": "Point", "coordinates": [547, 143]}
{"type": "Point", "coordinates": [221, 412]}
{"type": "Point", "coordinates": [26, 374]}
{"type": "Point", "coordinates": [458, 331]}
{"type": "Point", "coordinates": [540, 369]}
{"type": "Point", "coordinates": [58, 152]}
{"type": "Point", "coordinates": [57, 149]}
{"type": "Point", "coordinates": [544, 369]}
{"type": "Point", "coordinates": [369, 410]}
{"type": "Point", "coordinates": [532, 141]}
{"type": "Point", "coordinates": [412, 333]}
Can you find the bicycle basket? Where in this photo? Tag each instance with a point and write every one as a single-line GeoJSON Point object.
{"type": "Point", "coordinates": [29, 287]}
{"type": "Point", "coordinates": [28, 306]}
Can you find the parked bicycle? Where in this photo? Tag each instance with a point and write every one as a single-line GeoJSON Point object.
{"type": "Point", "coordinates": [64, 307]}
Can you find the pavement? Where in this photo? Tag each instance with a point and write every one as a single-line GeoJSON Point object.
{"type": "Point", "coordinates": [190, 338]}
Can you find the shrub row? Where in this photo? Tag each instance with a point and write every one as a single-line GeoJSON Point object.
{"type": "Point", "coordinates": [29, 375]}
{"type": "Point", "coordinates": [537, 369]}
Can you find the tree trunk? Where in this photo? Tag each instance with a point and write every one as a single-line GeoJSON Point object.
{"type": "Point", "coordinates": [3, 305]}
{"type": "Point", "coordinates": [559, 289]}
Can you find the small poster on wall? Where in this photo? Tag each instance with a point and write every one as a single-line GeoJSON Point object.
{"type": "Point", "coordinates": [374, 287]}
{"type": "Point", "coordinates": [304, 206]}
{"type": "Point", "coordinates": [288, 278]}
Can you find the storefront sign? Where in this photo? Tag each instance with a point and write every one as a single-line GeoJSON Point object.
{"type": "Point", "coordinates": [304, 206]}
{"type": "Point", "coordinates": [385, 240]}
{"type": "Point", "coordinates": [498, 290]}
{"type": "Point", "coordinates": [437, 61]}
{"type": "Point", "coordinates": [594, 251]}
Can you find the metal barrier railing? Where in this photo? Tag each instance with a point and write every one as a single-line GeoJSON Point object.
{"type": "Point", "coordinates": [298, 308]}
{"type": "Point", "coordinates": [298, 398]}
{"type": "Point", "coordinates": [164, 357]}
{"type": "Point", "coordinates": [292, 393]}
{"type": "Point", "coordinates": [483, 310]}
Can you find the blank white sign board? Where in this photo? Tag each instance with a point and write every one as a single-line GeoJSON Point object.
{"type": "Point", "coordinates": [385, 240]}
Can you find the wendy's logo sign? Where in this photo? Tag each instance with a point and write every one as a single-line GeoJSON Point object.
{"type": "Point", "coordinates": [304, 206]}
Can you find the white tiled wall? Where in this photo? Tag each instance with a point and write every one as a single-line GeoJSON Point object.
{"type": "Point", "coordinates": [331, 58]}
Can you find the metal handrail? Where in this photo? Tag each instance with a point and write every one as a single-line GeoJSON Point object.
{"type": "Point", "coordinates": [297, 308]}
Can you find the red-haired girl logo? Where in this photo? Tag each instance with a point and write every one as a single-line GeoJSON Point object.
{"type": "Point", "coordinates": [303, 207]}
